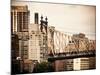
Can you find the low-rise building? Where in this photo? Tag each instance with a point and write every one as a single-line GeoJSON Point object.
{"type": "Point", "coordinates": [84, 63]}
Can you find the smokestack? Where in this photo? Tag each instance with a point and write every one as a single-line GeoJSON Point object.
{"type": "Point", "coordinates": [36, 18]}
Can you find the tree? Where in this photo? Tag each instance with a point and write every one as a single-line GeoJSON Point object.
{"type": "Point", "coordinates": [43, 67]}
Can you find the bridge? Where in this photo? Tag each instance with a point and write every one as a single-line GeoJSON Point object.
{"type": "Point", "coordinates": [69, 46]}
{"type": "Point", "coordinates": [71, 55]}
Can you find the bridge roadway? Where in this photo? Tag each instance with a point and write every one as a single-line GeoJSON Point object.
{"type": "Point", "coordinates": [71, 55]}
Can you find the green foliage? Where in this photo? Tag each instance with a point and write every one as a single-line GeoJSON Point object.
{"type": "Point", "coordinates": [43, 67]}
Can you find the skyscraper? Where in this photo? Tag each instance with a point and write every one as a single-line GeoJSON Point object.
{"type": "Point", "coordinates": [19, 27]}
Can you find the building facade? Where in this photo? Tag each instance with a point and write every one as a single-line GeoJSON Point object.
{"type": "Point", "coordinates": [19, 26]}
{"type": "Point", "coordinates": [34, 42]}
{"type": "Point", "coordinates": [19, 18]}
{"type": "Point", "coordinates": [63, 65]}
{"type": "Point", "coordinates": [38, 40]}
{"type": "Point", "coordinates": [84, 63]}
{"type": "Point", "coordinates": [40, 44]}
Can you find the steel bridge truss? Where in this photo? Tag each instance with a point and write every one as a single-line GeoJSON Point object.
{"type": "Point", "coordinates": [61, 41]}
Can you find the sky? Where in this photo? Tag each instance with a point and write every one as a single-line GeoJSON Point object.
{"type": "Point", "coordinates": [65, 17]}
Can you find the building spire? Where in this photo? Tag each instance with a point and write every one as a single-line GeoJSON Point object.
{"type": "Point", "coordinates": [46, 18]}
{"type": "Point", "coordinates": [41, 17]}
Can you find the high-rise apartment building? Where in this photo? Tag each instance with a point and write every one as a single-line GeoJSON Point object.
{"type": "Point", "coordinates": [20, 37]}
{"type": "Point", "coordinates": [34, 42]}
{"type": "Point", "coordinates": [19, 26]}
{"type": "Point", "coordinates": [38, 36]}
{"type": "Point", "coordinates": [38, 43]}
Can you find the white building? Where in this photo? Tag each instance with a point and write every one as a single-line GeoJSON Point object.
{"type": "Point", "coordinates": [37, 43]}
{"type": "Point", "coordinates": [81, 64]}
{"type": "Point", "coordinates": [34, 48]}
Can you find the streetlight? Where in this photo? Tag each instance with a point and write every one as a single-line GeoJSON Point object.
{"type": "Point", "coordinates": [35, 65]}
{"type": "Point", "coordinates": [19, 63]}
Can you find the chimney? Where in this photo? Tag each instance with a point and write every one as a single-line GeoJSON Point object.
{"type": "Point", "coordinates": [36, 18]}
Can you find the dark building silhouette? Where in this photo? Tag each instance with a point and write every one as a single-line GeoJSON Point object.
{"type": "Point", "coordinates": [36, 18]}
